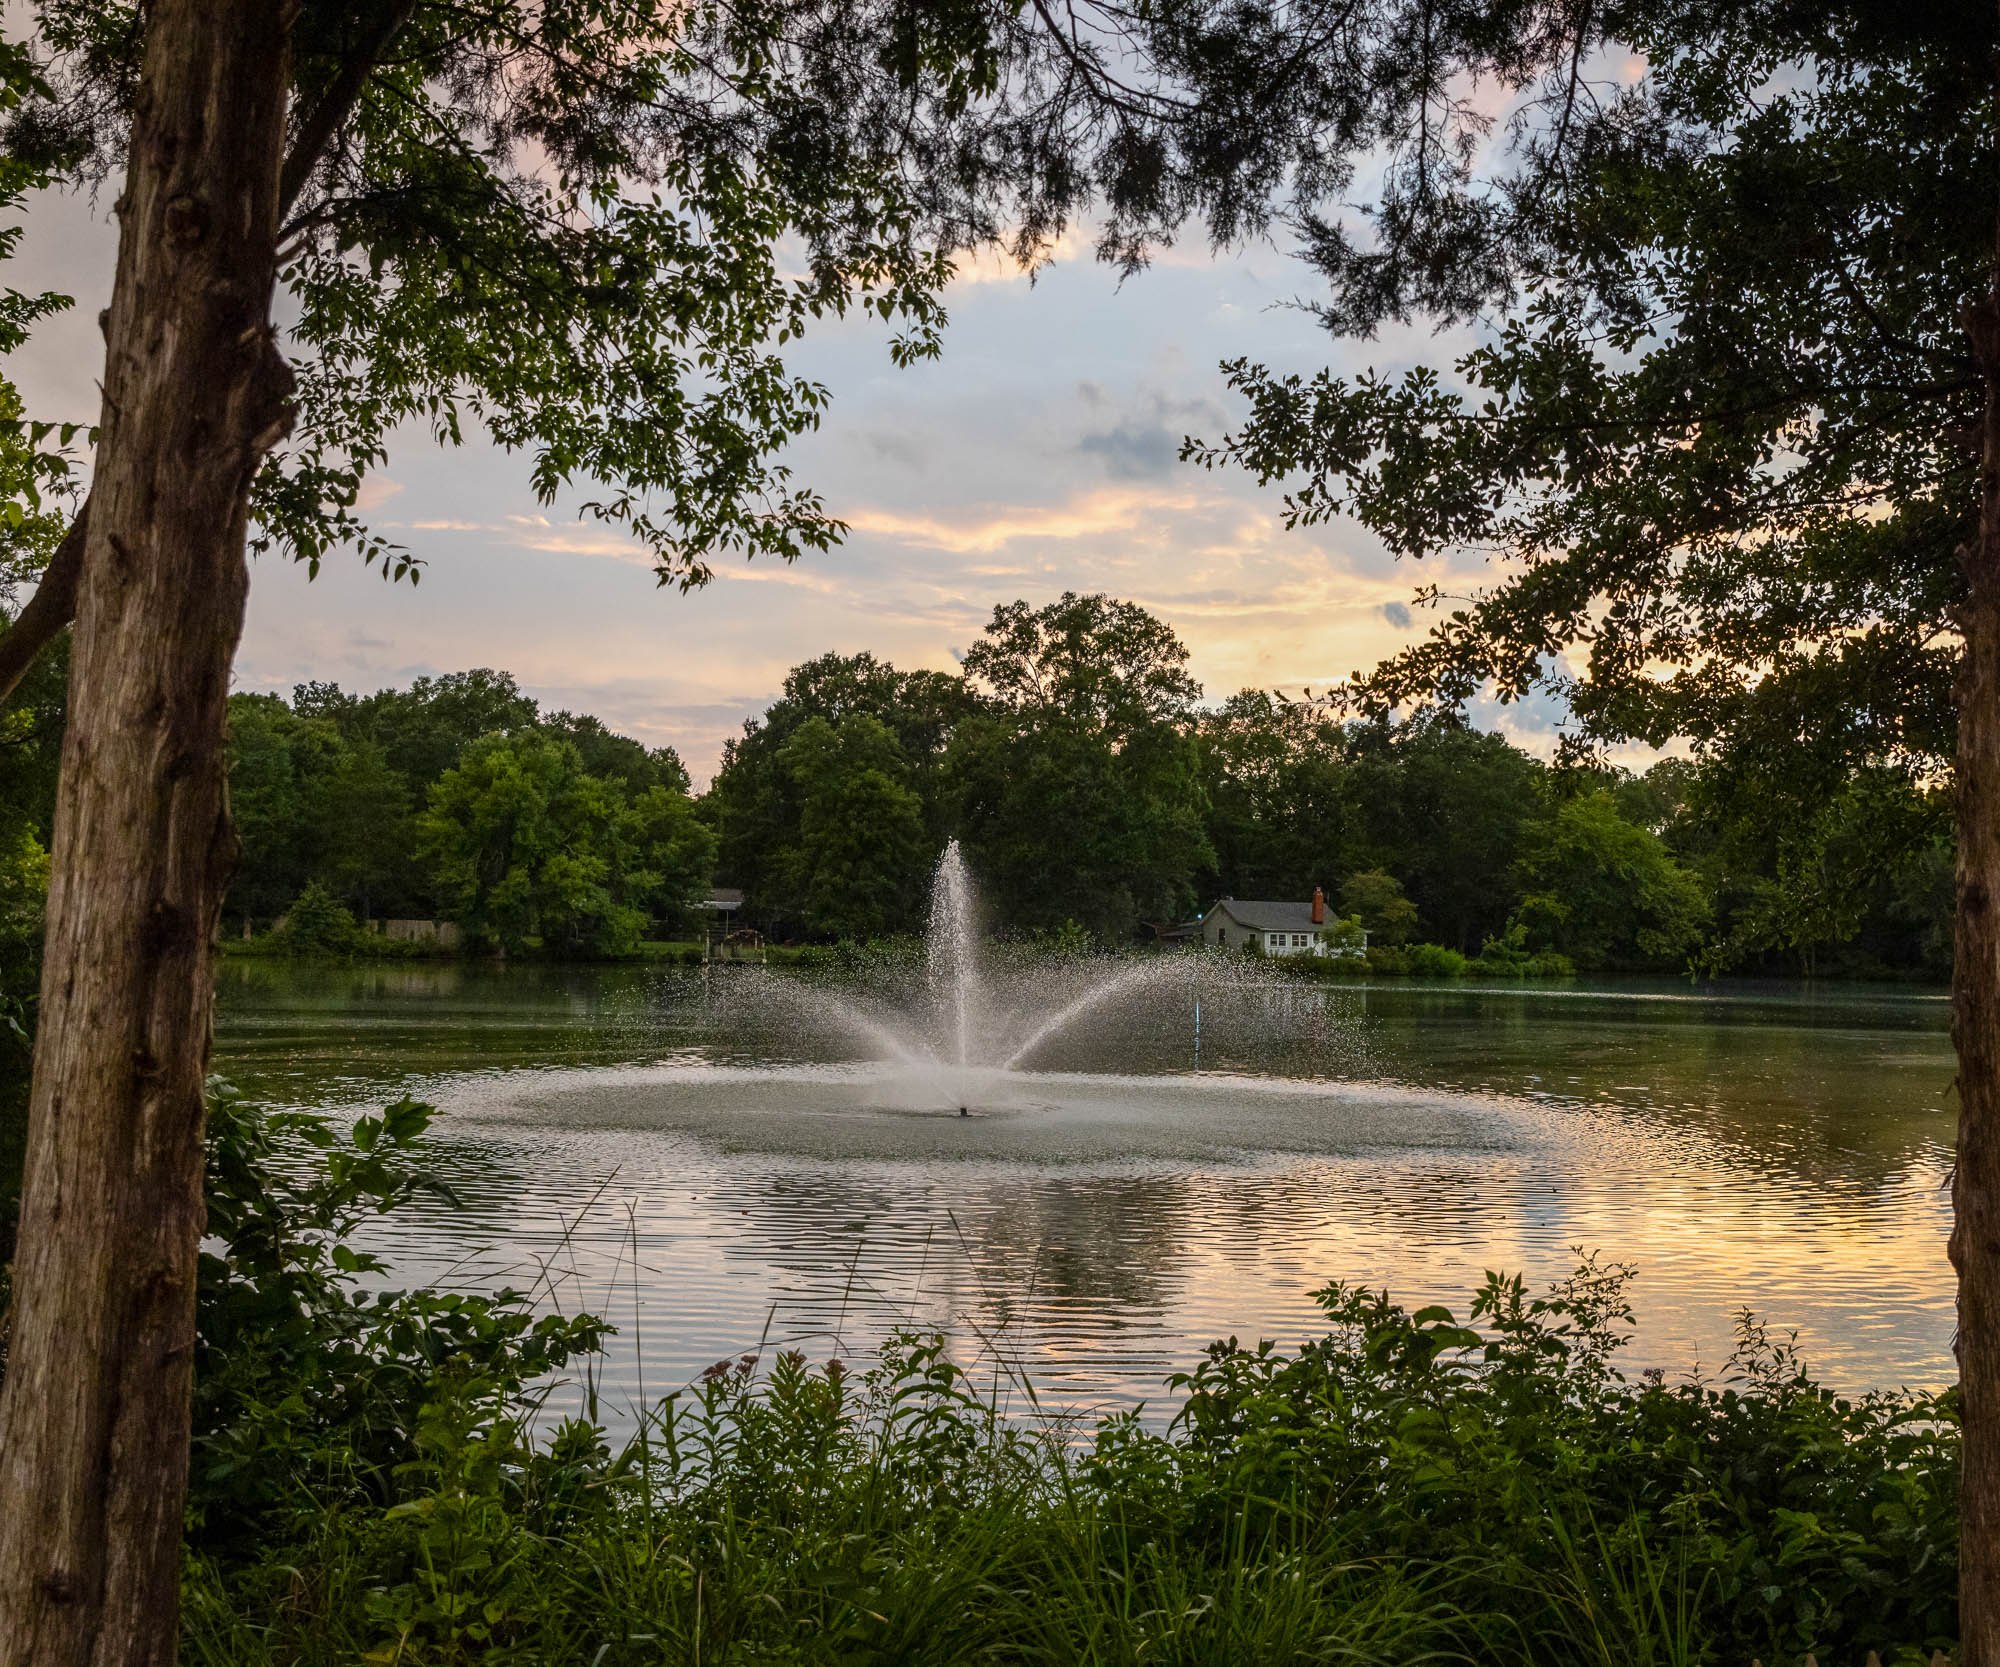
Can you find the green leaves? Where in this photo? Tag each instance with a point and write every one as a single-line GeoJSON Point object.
{"type": "Point", "coordinates": [861, 855]}
{"type": "Point", "coordinates": [1604, 891]}
{"type": "Point", "coordinates": [529, 850]}
{"type": "Point", "coordinates": [1706, 455]}
{"type": "Point", "coordinates": [313, 1388]}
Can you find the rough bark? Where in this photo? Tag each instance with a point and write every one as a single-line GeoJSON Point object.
{"type": "Point", "coordinates": [94, 1411]}
{"type": "Point", "coordinates": [1975, 1239]}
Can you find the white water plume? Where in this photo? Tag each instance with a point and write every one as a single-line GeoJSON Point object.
{"type": "Point", "coordinates": [960, 1033]}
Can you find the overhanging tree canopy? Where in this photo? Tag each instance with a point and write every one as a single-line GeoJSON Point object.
{"type": "Point", "coordinates": [1720, 451]}
{"type": "Point", "coordinates": [1729, 449]}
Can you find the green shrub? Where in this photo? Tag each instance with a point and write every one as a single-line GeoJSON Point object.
{"type": "Point", "coordinates": [1345, 939]}
{"type": "Point", "coordinates": [1433, 960]}
{"type": "Point", "coordinates": [317, 920]}
{"type": "Point", "coordinates": [1508, 956]}
{"type": "Point", "coordinates": [311, 1380]}
{"type": "Point", "coordinates": [672, 951]}
{"type": "Point", "coordinates": [1064, 942]}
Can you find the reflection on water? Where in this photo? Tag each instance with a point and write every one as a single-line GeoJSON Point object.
{"type": "Point", "coordinates": [718, 1177]}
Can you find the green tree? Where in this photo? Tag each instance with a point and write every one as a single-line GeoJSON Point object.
{"type": "Point", "coordinates": [311, 804]}
{"type": "Point", "coordinates": [1603, 890]}
{"type": "Point", "coordinates": [861, 859]}
{"type": "Point", "coordinates": [266, 803]}
{"type": "Point", "coordinates": [317, 795]}
{"type": "Point", "coordinates": [361, 810]}
{"type": "Point", "coordinates": [667, 854]}
{"type": "Point", "coordinates": [319, 920]}
{"type": "Point", "coordinates": [423, 730]}
{"type": "Point", "coordinates": [755, 801]}
{"type": "Point", "coordinates": [1280, 815]}
{"type": "Point", "coordinates": [1828, 883]}
{"type": "Point", "coordinates": [1078, 791]}
{"type": "Point", "coordinates": [523, 846]}
{"type": "Point", "coordinates": [1375, 897]}
{"type": "Point", "coordinates": [1443, 806]}
{"type": "Point", "coordinates": [1104, 666]}
{"type": "Point", "coordinates": [614, 756]}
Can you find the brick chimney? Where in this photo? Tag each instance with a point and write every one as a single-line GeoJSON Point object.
{"type": "Point", "coordinates": [1319, 907]}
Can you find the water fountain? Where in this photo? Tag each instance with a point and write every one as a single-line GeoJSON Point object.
{"type": "Point", "coordinates": [968, 1034]}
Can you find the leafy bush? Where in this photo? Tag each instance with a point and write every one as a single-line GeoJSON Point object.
{"type": "Point", "coordinates": [1433, 960]}
{"type": "Point", "coordinates": [1346, 938]}
{"type": "Point", "coordinates": [1508, 956]}
{"type": "Point", "coordinates": [1762, 1516]}
{"type": "Point", "coordinates": [1375, 899]}
{"type": "Point", "coordinates": [318, 920]}
{"type": "Point", "coordinates": [1064, 942]}
{"type": "Point", "coordinates": [367, 1486]}
{"type": "Point", "coordinates": [860, 955]}
{"type": "Point", "coordinates": [312, 1381]}
{"type": "Point", "coordinates": [671, 951]}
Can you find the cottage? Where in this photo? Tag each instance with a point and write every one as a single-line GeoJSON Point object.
{"type": "Point", "coordinates": [721, 905]}
{"type": "Point", "coordinates": [1278, 928]}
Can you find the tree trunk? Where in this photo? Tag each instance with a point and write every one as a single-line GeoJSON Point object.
{"type": "Point", "coordinates": [94, 1411]}
{"type": "Point", "coordinates": [1975, 1238]}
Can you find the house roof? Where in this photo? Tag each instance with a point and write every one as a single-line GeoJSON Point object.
{"type": "Point", "coordinates": [723, 899]}
{"type": "Point", "coordinates": [1267, 916]}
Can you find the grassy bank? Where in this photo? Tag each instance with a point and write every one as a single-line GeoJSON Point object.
{"type": "Point", "coordinates": [372, 1482]}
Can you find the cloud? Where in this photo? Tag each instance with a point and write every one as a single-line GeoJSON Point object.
{"type": "Point", "coordinates": [897, 448]}
{"type": "Point", "coordinates": [1035, 456]}
{"type": "Point", "coordinates": [376, 491]}
{"type": "Point", "coordinates": [987, 530]}
{"type": "Point", "coordinates": [1397, 614]}
{"type": "Point", "coordinates": [1133, 450]}
{"type": "Point", "coordinates": [990, 266]}
{"type": "Point", "coordinates": [1146, 444]}
{"type": "Point", "coordinates": [781, 572]}
{"type": "Point", "coordinates": [537, 532]}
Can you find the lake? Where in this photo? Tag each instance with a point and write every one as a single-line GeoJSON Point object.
{"type": "Point", "coordinates": [712, 1162]}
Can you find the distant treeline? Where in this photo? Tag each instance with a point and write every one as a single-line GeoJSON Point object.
{"type": "Point", "coordinates": [1094, 792]}
{"type": "Point", "coordinates": [1075, 761]}
{"type": "Point", "coordinates": [459, 799]}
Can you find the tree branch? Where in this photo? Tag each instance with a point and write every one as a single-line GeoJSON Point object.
{"type": "Point", "coordinates": [45, 614]}
{"type": "Point", "coordinates": [53, 605]}
{"type": "Point", "coordinates": [336, 104]}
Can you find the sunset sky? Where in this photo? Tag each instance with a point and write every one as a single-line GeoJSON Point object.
{"type": "Point", "coordinates": [1037, 455]}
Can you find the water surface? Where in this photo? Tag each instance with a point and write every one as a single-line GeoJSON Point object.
{"type": "Point", "coordinates": [721, 1174]}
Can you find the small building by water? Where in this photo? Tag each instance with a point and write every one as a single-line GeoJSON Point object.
{"type": "Point", "coordinates": [1280, 927]}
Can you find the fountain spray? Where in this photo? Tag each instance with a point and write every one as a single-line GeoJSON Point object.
{"type": "Point", "coordinates": [953, 954]}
